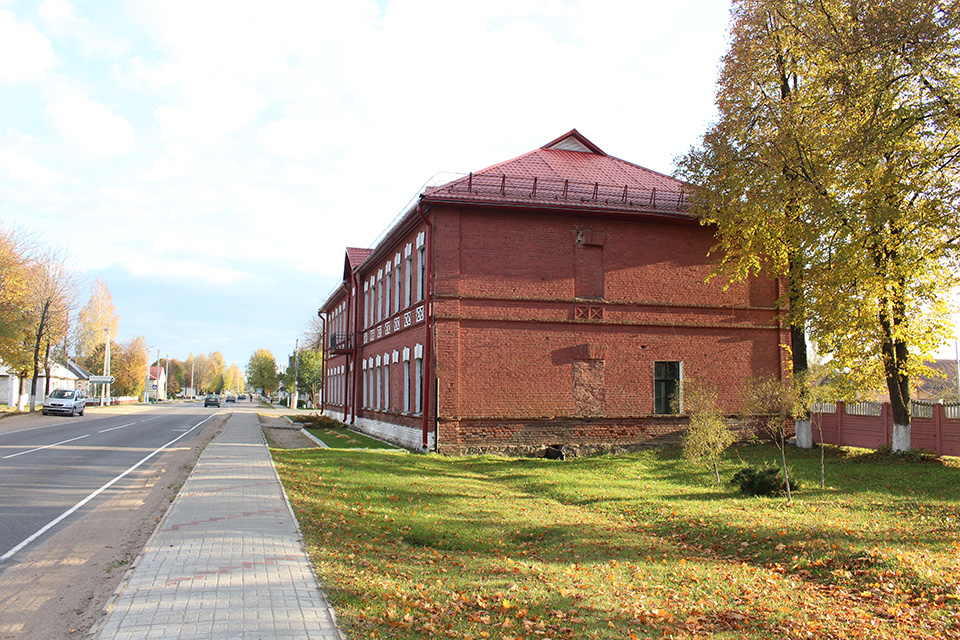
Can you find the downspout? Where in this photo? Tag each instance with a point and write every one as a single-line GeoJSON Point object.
{"type": "Point", "coordinates": [427, 343]}
{"type": "Point", "coordinates": [346, 332]}
{"type": "Point", "coordinates": [356, 348]}
{"type": "Point", "coordinates": [324, 351]}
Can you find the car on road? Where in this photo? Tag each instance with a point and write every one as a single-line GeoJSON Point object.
{"type": "Point", "coordinates": [212, 400]}
{"type": "Point", "coordinates": [231, 398]}
{"type": "Point", "coordinates": [67, 402]}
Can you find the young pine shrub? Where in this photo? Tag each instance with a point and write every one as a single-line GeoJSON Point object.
{"type": "Point", "coordinates": [709, 434]}
{"type": "Point", "coordinates": [762, 481]}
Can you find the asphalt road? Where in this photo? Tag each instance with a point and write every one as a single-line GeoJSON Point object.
{"type": "Point", "coordinates": [57, 471]}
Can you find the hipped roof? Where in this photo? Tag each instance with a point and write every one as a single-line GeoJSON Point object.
{"type": "Point", "coordinates": [568, 173]}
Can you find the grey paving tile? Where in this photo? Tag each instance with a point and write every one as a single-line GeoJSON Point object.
{"type": "Point", "coordinates": [226, 562]}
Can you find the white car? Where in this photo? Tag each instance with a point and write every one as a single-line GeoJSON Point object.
{"type": "Point", "coordinates": [68, 402]}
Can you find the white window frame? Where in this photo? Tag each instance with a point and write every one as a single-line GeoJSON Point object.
{"type": "Point", "coordinates": [396, 264]}
{"type": "Point", "coordinates": [388, 286]}
{"type": "Point", "coordinates": [386, 385]}
{"type": "Point", "coordinates": [421, 265]}
{"type": "Point", "coordinates": [366, 304]}
{"type": "Point", "coordinates": [406, 379]}
{"type": "Point", "coordinates": [379, 290]}
{"type": "Point", "coordinates": [408, 276]}
{"type": "Point", "coordinates": [365, 387]}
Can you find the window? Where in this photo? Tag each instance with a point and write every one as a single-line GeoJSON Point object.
{"type": "Point", "coordinates": [366, 306]}
{"type": "Point", "coordinates": [406, 386]}
{"type": "Point", "coordinates": [366, 388]}
{"type": "Point", "coordinates": [396, 265]}
{"type": "Point", "coordinates": [408, 293]}
{"type": "Point", "coordinates": [419, 390]}
{"type": "Point", "coordinates": [386, 387]}
{"type": "Point", "coordinates": [421, 272]}
{"type": "Point", "coordinates": [386, 294]}
{"type": "Point", "coordinates": [667, 396]}
{"type": "Point", "coordinates": [379, 388]}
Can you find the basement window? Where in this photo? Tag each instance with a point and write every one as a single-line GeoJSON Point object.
{"type": "Point", "coordinates": [667, 397]}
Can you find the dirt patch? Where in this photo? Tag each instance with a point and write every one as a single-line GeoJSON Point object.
{"type": "Point", "coordinates": [59, 589]}
{"type": "Point", "coordinates": [286, 438]}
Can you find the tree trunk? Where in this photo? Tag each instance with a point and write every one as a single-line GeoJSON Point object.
{"type": "Point", "coordinates": [894, 362]}
{"type": "Point", "coordinates": [798, 337]}
{"type": "Point", "coordinates": [41, 328]}
{"type": "Point", "coordinates": [23, 389]}
{"type": "Point", "coordinates": [893, 349]}
{"type": "Point", "coordinates": [46, 370]}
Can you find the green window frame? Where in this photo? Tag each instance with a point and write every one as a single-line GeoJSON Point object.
{"type": "Point", "coordinates": [667, 390]}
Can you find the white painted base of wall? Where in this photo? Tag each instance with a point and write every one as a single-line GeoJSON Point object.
{"type": "Point", "coordinates": [804, 434]}
{"type": "Point", "coordinates": [402, 436]}
{"type": "Point", "coordinates": [900, 438]}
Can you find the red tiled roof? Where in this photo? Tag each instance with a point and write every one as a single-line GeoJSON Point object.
{"type": "Point", "coordinates": [355, 256]}
{"type": "Point", "coordinates": [558, 175]}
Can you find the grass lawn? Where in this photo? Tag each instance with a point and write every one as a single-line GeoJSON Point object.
{"type": "Point", "coordinates": [346, 439]}
{"type": "Point", "coordinates": [630, 546]}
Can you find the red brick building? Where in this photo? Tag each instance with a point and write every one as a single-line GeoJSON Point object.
{"type": "Point", "coordinates": [557, 298]}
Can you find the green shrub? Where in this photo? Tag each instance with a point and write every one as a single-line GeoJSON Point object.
{"type": "Point", "coordinates": [317, 421]}
{"type": "Point", "coordinates": [762, 481]}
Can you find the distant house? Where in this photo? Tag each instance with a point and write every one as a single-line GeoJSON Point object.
{"type": "Point", "coordinates": [158, 382]}
{"type": "Point", "coordinates": [942, 387]}
{"type": "Point", "coordinates": [560, 297]}
{"type": "Point", "coordinates": [63, 375]}
{"type": "Point", "coordinates": [83, 376]}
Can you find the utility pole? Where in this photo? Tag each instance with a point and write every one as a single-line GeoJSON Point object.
{"type": "Point", "coordinates": [156, 396]}
{"type": "Point", "coordinates": [296, 374]}
{"type": "Point", "coordinates": [106, 367]}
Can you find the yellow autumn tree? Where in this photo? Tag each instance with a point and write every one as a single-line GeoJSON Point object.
{"type": "Point", "coordinates": [835, 162]}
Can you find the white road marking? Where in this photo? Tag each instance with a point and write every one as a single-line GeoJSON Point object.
{"type": "Point", "coordinates": [120, 427]}
{"type": "Point", "coordinates": [14, 455]}
{"type": "Point", "coordinates": [93, 495]}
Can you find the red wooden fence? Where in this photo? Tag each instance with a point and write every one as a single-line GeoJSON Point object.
{"type": "Point", "coordinates": [933, 427]}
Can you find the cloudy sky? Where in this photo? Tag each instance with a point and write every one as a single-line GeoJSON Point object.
{"type": "Point", "coordinates": [210, 159]}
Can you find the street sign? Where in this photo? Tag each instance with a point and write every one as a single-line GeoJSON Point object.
{"type": "Point", "coordinates": [102, 379]}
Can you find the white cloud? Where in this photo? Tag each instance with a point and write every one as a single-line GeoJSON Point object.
{"type": "Point", "coordinates": [196, 271]}
{"type": "Point", "coordinates": [90, 126]}
{"type": "Point", "coordinates": [25, 169]}
{"type": "Point", "coordinates": [210, 107]}
{"type": "Point", "coordinates": [25, 54]}
{"type": "Point", "coordinates": [61, 20]}
{"type": "Point", "coordinates": [277, 134]}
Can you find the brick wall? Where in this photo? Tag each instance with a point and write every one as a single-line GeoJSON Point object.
{"type": "Point", "coordinates": [546, 328]}
{"type": "Point", "coordinates": [509, 322]}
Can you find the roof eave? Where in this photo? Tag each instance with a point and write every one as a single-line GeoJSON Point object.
{"type": "Point", "coordinates": [566, 208]}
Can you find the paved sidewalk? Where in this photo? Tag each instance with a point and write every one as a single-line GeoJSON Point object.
{"type": "Point", "coordinates": [226, 561]}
